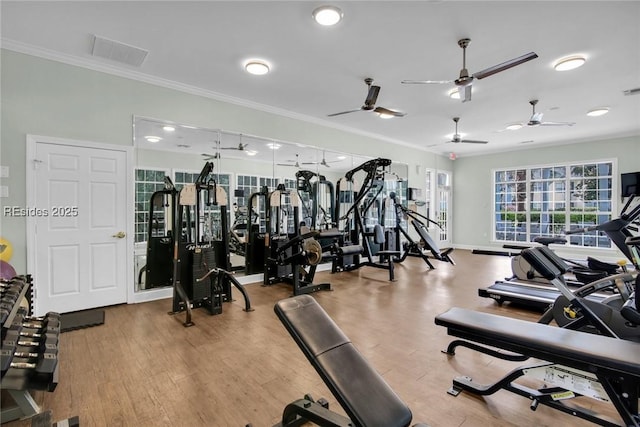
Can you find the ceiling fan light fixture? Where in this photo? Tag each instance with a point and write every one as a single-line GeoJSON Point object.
{"type": "Point", "coordinates": [569, 63]}
{"type": "Point", "coordinates": [257, 67]}
{"type": "Point", "coordinates": [454, 94]}
{"type": "Point", "coordinates": [385, 115]}
{"type": "Point", "coordinates": [327, 15]}
{"type": "Point", "coordinates": [152, 139]}
{"type": "Point", "coordinates": [596, 112]}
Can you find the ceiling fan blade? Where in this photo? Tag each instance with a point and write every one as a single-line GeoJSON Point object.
{"type": "Point", "coordinates": [382, 110]}
{"type": "Point", "coordinates": [343, 112]}
{"type": "Point", "coordinates": [424, 82]}
{"type": "Point", "coordinates": [372, 96]}
{"type": "Point", "coordinates": [473, 141]}
{"type": "Point", "coordinates": [505, 65]}
{"type": "Point", "coordinates": [557, 123]}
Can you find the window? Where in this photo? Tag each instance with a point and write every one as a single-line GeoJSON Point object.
{"type": "Point", "coordinates": [545, 201]}
{"type": "Point", "coordinates": [147, 182]}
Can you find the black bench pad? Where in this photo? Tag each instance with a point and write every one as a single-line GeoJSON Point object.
{"type": "Point", "coordinates": [553, 344]}
{"type": "Point", "coordinates": [361, 391]}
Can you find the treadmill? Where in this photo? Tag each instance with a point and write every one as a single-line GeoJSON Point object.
{"type": "Point", "coordinates": [538, 295]}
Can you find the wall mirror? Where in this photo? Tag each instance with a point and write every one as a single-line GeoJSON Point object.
{"type": "Point", "coordinates": [170, 155]}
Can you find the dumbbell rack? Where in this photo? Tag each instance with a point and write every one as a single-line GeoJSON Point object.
{"type": "Point", "coordinates": [20, 375]}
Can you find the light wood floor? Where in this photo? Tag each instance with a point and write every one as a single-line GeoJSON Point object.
{"type": "Point", "coordinates": [143, 368]}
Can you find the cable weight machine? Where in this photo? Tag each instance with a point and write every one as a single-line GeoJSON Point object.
{"type": "Point", "coordinates": [201, 277]}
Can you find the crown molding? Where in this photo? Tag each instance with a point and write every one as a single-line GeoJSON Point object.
{"type": "Point", "coordinates": [99, 66]}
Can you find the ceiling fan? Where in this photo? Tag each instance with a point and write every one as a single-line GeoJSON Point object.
{"type": "Point", "coordinates": [213, 156]}
{"type": "Point", "coordinates": [536, 118]}
{"type": "Point", "coordinates": [323, 162]}
{"type": "Point", "coordinates": [456, 136]}
{"type": "Point", "coordinates": [370, 103]}
{"type": "Point", "coordinates": [291, 162]}
{"type": "Point", "coordinates": [465, 80]}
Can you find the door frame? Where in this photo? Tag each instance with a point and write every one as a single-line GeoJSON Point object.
{"type": "Point", "coordinates": [434, 205]}
{"type": "Point", "coordinates": [31, 144]}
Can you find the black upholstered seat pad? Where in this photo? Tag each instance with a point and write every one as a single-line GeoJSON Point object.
{"type": "Point", "coordinates": [309, 325]}
{"type": "Point", "coordinates": [365, 396]}
{"type": "Point", "coordinates": [550, 343]}
{"type": "Point", "coordinates": [361, 391]}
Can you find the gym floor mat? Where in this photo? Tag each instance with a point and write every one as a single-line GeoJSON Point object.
{"type": "Point", "coordinates": [81, 319]}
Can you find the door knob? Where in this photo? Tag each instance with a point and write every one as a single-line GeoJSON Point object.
{"type": "Point", "coordinates": [119, 235]}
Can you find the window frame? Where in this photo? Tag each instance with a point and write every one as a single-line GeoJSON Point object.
{"type": "Point", "coordinates": [568, 203]}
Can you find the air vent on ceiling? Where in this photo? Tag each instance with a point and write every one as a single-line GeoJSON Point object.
{"type": "Point", "coordinates": [117, 51]}
{"type": "Point", "coordinates": [634, 91]}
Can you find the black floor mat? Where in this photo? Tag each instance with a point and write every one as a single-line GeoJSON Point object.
{"type": "Point", "coordinates": [81, 319]}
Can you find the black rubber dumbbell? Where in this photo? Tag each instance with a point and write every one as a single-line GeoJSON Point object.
{"type": "Point", "coordinates": [42, 369]}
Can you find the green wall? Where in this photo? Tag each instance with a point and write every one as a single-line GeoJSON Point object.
{"type": "Point", "coordinates": [50, 98]}
{"type": "Point", "coordinates": [473, 180]}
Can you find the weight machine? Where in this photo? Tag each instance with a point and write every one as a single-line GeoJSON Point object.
{"type": "Point", "coordinates": [160, 237]}
{"type": "Point", "coordinates": [411, 247]}
{"type": "Point", "coordinates": [360, 238]}
{"type": "Point", "coordinates": [292, 256]}
{"type": "Point", "coordinates": [314, 195]}
{"type": "Point", "coordinates": [200, 263]}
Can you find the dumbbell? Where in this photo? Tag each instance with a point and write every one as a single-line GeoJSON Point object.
{"type": "Point", "coordinates": [16, 333]}
{"type": "Point", "coordinates": [42, 369]}
{"type": "Point", "coordinates": [49, 323]}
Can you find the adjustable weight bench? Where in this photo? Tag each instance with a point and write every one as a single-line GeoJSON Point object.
{"type": "Point", "coordinates": [363, 394]}
{"type": "Point", "coordinates": [577, 363]}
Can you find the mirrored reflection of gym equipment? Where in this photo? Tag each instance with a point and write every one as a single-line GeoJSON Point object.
{"type": "Point", "coordinates": [293, 252]}
{"type": "Point", "coordinates": [410, 246]}
{"type": "Point", "coordinates": [364, 236]}
{"type": "Point", "coordinates": [201, 252]}
{"type": "Point", "coordinates": [157, 271]}
{"type": "Point", "coordinates": [256, 232]}
{"type": "Point", "coordinates": [317, 196]}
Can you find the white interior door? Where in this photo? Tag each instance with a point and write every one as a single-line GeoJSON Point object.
{"type": "Point", "coordinates": [79, 232]}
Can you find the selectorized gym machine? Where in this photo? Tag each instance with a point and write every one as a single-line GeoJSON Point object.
{"type": "Point", "coordinates": [292, 253]}
{"type": "Point", "coordinates": [256, 232]}
{"type": "Point", "coordinates": [201, 277]}
{"type": "Point", "coordinates": [317, 196]}
{"type": "Point", "coordinates": [362, 239]}
{"type": "Point", "coordinates": [157, 271]}
{"type": "Point", "coordinates": [411, 247]}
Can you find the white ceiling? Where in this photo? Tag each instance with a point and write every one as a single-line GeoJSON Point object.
{"type": "Point", "coordinates": [317, 70]}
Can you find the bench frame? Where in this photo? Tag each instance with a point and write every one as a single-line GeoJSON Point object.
{"type": "Point", "coordinates": [621, 384]}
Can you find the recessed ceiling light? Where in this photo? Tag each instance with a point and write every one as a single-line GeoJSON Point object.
{"type": "Point", "coordinates": [168, 128]}
{"type": "Point", "coordinates": [454, 94]}
{"type": "Point", "coordinates": [569, 63]}
{"type": "Point", "coordinates": [514, 126]}
{"type": "Point", "coordinates": [342, 157]}
{"type": "Point", "coordinates": [273, 145]}
{"type": "Point", "coordinates": [598, 112]}
{"type": "Point", "coordinates": [251, 152]}
{"type": "Point", "coordinates": [327, 15]}
{"type": "Point", "coordinates": [256, 67]}
{"type": "Point", "coordinates": [151, 138]}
